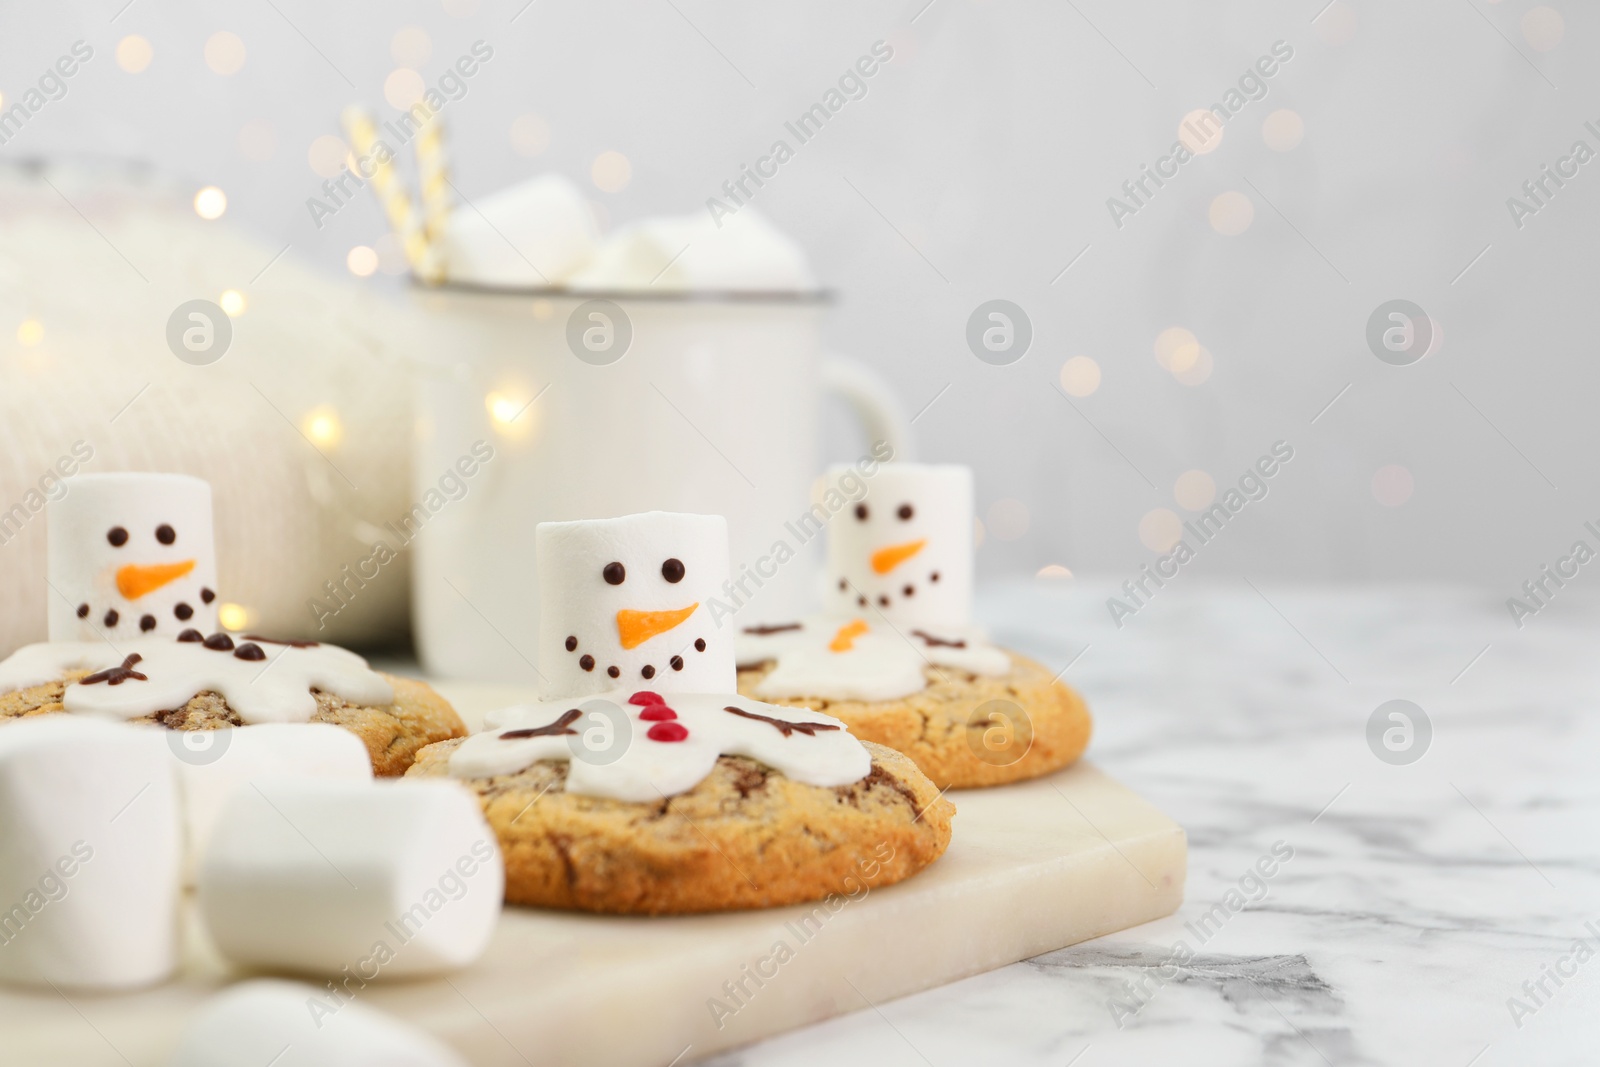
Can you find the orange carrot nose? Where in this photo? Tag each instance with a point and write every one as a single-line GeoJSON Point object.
{"type": "Point", "coordinates": [136, 579]}
{"type": "Point", "coordinates": [637, 627]}
{"type": "Point", "coordinates": [845, 639]}
{"type": "Point", "coordinates": [887, 559]}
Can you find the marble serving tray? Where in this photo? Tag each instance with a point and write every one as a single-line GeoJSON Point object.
{"type": "Point", "coordinates": [1032, 867]}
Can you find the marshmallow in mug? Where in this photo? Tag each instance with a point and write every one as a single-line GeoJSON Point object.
{"type": "Point", "coordinates": [623, 603]}
{"type": "Point", "coordinates": [742, 253]}
{"type": "Point", "coordinates": [131, 555]}
{"type": "Point", "coordinates": [530, 235]}
{"type": "Point", "coordinates": [905, 548]}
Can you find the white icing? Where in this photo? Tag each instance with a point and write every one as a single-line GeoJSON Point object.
{"type": "Point", "coordinates": [274, 689]}
{"type": "Point", "coordinates": [881, 663]}
{"type": "Point", "coordinates": [143, 581]}
{"type": "Point", "coordinates": [613, 756]}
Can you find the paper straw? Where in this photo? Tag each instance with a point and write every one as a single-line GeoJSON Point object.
{"type": "Point", "coordinates": [433, 172]}
{"type": "Point", "coordinates": [391, 192]}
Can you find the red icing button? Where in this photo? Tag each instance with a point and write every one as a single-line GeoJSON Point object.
{"type": "Point", "coordinates": [668, 731]}
{"type": "Point", "coordinates": [645, 697]}
{"type": "Point", "coordinates": [657, 713]}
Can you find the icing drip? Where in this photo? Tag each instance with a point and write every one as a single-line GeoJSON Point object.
{"type": "Point", "coordinates": [835, 658]}
{"type": "Point", "coordinates": [661, 755]}
{"type": "Point", "coordinates": [266, 682]}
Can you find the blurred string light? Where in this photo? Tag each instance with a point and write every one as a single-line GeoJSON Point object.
{"type": "Point", "coordinates": [233, 616]}
{"type": "Point", "coordinates": [30, 332]}
{"type": "Point", "coordinates": [323, 427]}
{"type": "Point", "coordinates": [1282, 130]}
{"type": "Point", "coordinates": [210, 202]}
{"type": "Point", "coordinates": [362, 261]}
{"type": "Point", "coordinates": [1053, 571]}
{"type": "Point", "coordinates": [1181, 354]}
{"type": "Point", "coordinates": [232, 302]}
{"type": "Point", "coordinates": [134, 54]}
{"type": "Point", "coordinates": [1231, 213]}
{"type": "Point", "coordinates": [327, 156]}
{"type": "Point", "coordinates": [1160, 529]}
{"type": "Point", "coordinates": [1392, 485]}
{"type": "Point", "coordinates": [1194, 490]}
{"type": "Point", "coordinates": [1337, 23]}
{"type": "Point", "coordinates": [403, 87]}
{"type": "Point", "coordinates": [225, 53]}
{"type": "Point", "coordinates": [1543, 27]}
{"type": "Point", "coordinates": [1200, 131]}
{"type": "Point", "coordinates": [510, 413]}
{"type": "Point", "coordinates": [530, 135]}
{"type": "Point", "coordinates": [1080, 376]}
{"type": "Point", "coordinates": [611, 171]}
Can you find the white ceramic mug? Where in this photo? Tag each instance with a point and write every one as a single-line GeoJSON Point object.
{"type": "Point", "coordinates": [603, 406]}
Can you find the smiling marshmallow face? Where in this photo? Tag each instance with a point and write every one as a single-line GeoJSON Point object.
{"type": "Point", "coordinates": [623, 603]}
{"type": "Point", "coordinates": [905, 549]}
{"type": "Point", "coordinates": [131, 555]}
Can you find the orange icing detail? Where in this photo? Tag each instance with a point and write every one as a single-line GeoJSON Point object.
{"type": "Point", "coordinates": [845, 639]}
{"type": "Point", "coordinates": [135, 580]}
{"type": "Point", "coordinates": [637, 627]}
{"type": "Point", "coordinates": [887, 559]}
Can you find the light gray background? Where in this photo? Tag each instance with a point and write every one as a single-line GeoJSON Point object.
{"type": "Point", "coordinates": [978, 167]}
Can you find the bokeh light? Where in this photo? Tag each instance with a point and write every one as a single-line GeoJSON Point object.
{"type": "Point", "coordinates": [327, 155]}
{"type": "Point", "coordinates": [30, 332]}
{"type": "Point", "coordinates": [1197, 370]}
{"type": "Point", "coordinates": [1053, 572]}
{"type": "Point", "coordinates": [210, 202]}
{"type": "Point", "coordinates": [1160, 529]}
{"type": "Point", "coordinates": [1231, 213]}
{"type": "Point", "coordinates": [410, 46]}
{"type": "Point", "coordinates": [362, 261]}
{"type": "Point", "coordinates": [233, 617]}
{"type": "Point", "coordinates": [225, 53]}
{"type": "Point", "coordinates": [1171, 342]}
{"type": "Point", "coordinates": [1543, 27]}
{"type": "Point", "coordinates": [1282, 130]}
{"type": "Point", "coordinates": [1194, 490]}
{"type": "Point", "coordinates": [1200, 131]}
{"type": "Point", "coordinates": [323, 427]}
{"type": "Point", "coordinates": [611, 172]}
{"type": "Point", "coordinates": [403, 87]}
{"type": "Point", "coordinates": [1337, 24]}
{"type": "Point", "coordinates": [134, 54]}
{"type": "Point", "coordinates": [1080, 376]}
{"type": "Point", "coordinates": [1392, 485]}
{"type": "Point", "coordinates": [233, 303]}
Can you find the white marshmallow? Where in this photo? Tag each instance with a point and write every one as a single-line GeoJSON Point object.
{"type": "Point", "coordinates": [644, 623]}
{"type": "Point", "coordinates": [252, 1023]}
{"type": "Point", "coordinates": [361, 878]}
{"type": "Point", "coordinates": [693, 254]}
{"type": "Point", "coordinates": [878, 558]}
{"type": "Point", "coordinates": [142, 585]}
{"type": "Point", "coordinates": [530, 235]}
{"type": "Point", "coordinates": [89, 854]}
{"type": "Point", "coordinates": [213, 765]}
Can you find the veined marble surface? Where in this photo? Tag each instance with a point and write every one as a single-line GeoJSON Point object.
{"type": "Point", "coordinates": [1420, 898]}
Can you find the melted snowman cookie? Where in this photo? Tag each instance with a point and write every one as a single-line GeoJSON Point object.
{"type": "Point", "coordinates": [851, 659]}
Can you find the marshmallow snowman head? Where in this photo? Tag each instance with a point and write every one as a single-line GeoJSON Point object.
{"type": "Point", "coordinates": [131, 555]}
{"type": "Point", "coordinates": [905, 549]}
{"type": "Point", "coordinates": [625, 603]}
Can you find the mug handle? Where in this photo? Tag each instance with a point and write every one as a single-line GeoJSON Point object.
{"type": "Point", "coordinates": [873, 402]}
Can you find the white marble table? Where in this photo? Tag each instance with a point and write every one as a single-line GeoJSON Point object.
{"type": "Point", "coordinates": [1419, 898]}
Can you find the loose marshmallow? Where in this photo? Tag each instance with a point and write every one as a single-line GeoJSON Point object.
{"type": "Point", "coordinates": [213, 765]}
{"type": "Point", "coordinates": [367, 879]}
{"type": "Point", "coordinates": [905, 549]}
{"type": "Point", "coordinates": [745, 253]}
{"type": "Point", "coordinates": [89, 854]}
{"type": "Point", "coordinates": [531, 235]}
{"type": "Point", "coordinates": [131, 555]}
{"type": "Point", "coordinates": [626, 602]}
{"type": "Point", "coordinates": [253, 1023]}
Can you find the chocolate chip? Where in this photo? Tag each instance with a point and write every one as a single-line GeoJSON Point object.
{"type": "Point", "coordinates": [112, 617]}
{"type": "Point", "coordinates": [672, 570]}
{"type": "Point", "coordinates": [905, 512]}
{"type": "Point", "coordinates": [166, 534]}
{"type": "Point", "coordinates": [183, 612]}
{"type": "Point", "coordinates": [613, 671]}
{"type": "Point", "coordinates": [249, 651]}
{"type": "Point", "coordinates": [586, 661]}
{"type": "Point", "coordinates": [117, 536]}
{"type": "Point", "coordinates": [648, 671]}
{"type": "Point", "coordinates": [909, 590]}
{"type": "Point", "coordinates": [572, 644]}
{"type": "Point", "coordinates": [861, 600]}
{"type": "Point", "coordinates": [677, 663]}
{"type": "Point", "coordinates": [218, 642]}
{"type": "Point", "coordinates": [861, 512]}
{"type": "Point", "coordinates": [614, 573]}
{"type": "Point", "coordinates": [147, 623]}
{"type": "Point", "coordinates": [83, 611]}
{"type": "Point", "coordinates": [699, 644]}
{"type": "Point", "coordinates": [191, 635]}
{"type": "Point", "coordinates": [207, 596]}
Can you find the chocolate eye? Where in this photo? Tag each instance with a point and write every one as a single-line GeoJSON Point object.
{"type": "Point", "coordinates": [672, 570]}
{"type": "Point", "coordinates": [861, 512]}
{"type": "Point", "coordinates": [614, 573]}
{"type": "Point", "coordinates": [117, 536]}
{"type": "Point", "coordinates": [905, 512]}
{"type": "Point", "coordinates": [166, 534]}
